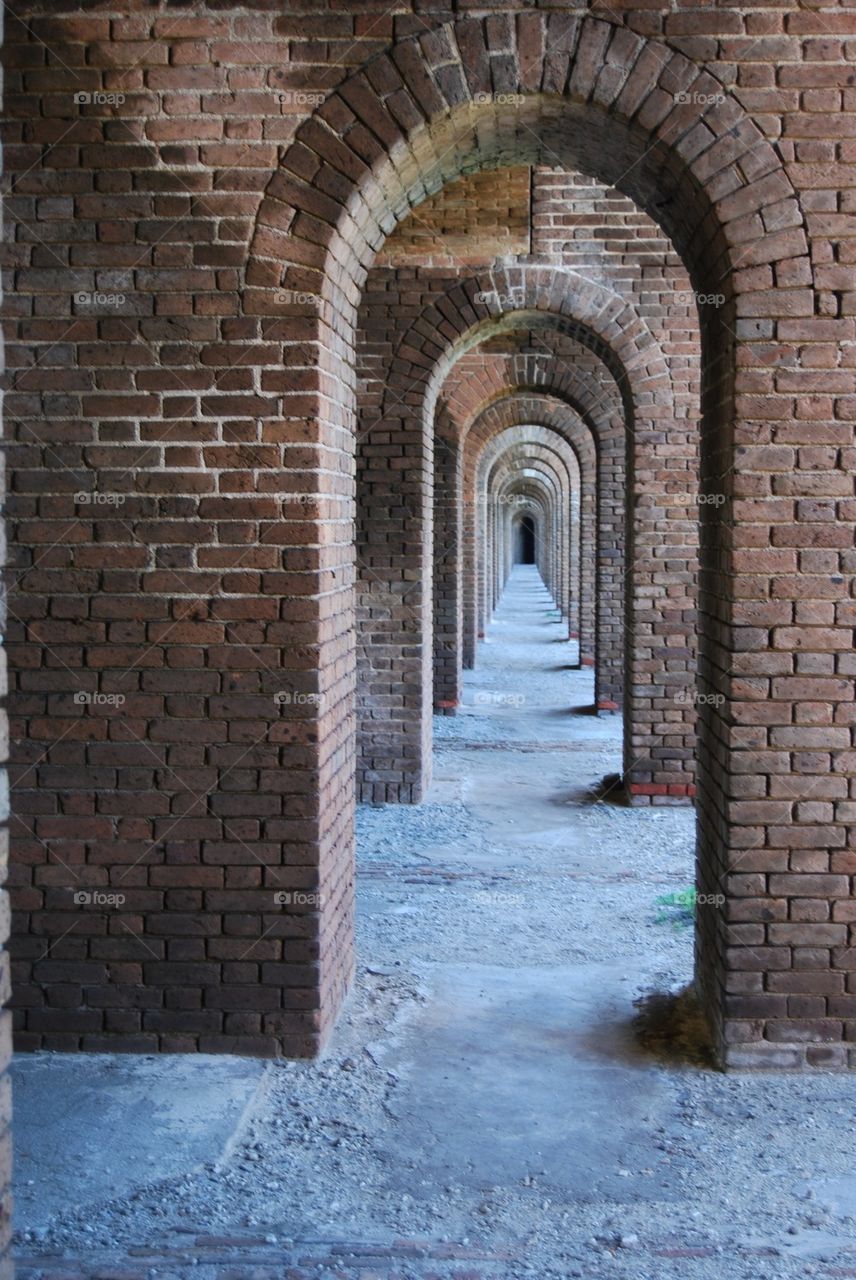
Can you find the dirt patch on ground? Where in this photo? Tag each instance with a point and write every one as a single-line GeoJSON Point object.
{"type": "Point", "coordinates": [671, 1026]}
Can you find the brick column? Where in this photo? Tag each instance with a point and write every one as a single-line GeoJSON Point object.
{"type": "Point", "coordinates": [448, 581]}
{"type": "Point", "coordinates": [6, 1264]}
{"type": "Point", "coordinates": [661, 620]}
{"type": "Point", "coordinates": [777, 810]}
{"type": "Point", "coordinates": [394, 583]}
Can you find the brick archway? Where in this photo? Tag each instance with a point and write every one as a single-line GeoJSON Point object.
{"type": "Point", "coordinates": [555, 452]}
{"type": "Point", "coordinates": [396, 129]}
{"type": "Point", "coordinates": [279, 483]}
{"type": "Point", "coordinates": [595, 317]}
{"type": "Point", "coordinates": [557, 478]}
{"type": "Point", "coordinates": [560, 367]}
{"type": "Point", "coordinates": [394, 612]}
{"type": "Point", "coordinates": [476, 311]}
{"type": "Point", "coordinates": [490, 303]}
{"type": "Point", "coordinates": [460, 503]}
{"type": "Point", "coordinates": [602, 515]}
{"type": "Point", "coordinates": [534, 499]}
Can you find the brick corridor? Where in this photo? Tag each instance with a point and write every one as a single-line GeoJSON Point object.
{"type": "Point", "coordinates": [312, 308]}
{"type": "Point", "coordinates": [281, 279]}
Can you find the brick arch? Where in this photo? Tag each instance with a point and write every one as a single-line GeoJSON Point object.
{"type": "Point", "coordinates": [496, 301]}
{"type": "Point", "coordinates": [558, 479]}
{"type": "Point", "coordinates": [560, 464]}
{"type": "Point", "coordinates": [554, 452]}
{"type": "Point", "coordinates": [395, 635]}
{"type": "Point", "coordinates": [482, 377]}
{"type": "Point", "coordinates": [605, 325]}
{"type": "Point", "coordinates": [474, 383]}
{"type": "Point", "coordinates": [459, 506]}
{"type": "Point", "coordinates": [538, 499]}
{"type": "Point", "coordinates": [603, 595]}
{"type": "Point", "coordinates": [553, 363]}
{"type": "Point", "coordinates": [603, 100]}
{"type": "Point", "coordinates": [552, 301]}
{"type": "Point", "coordinates": [519, 411]}
{"type": "Point", "coordinates": [539, 495]}
{"type": "Point", "coordinates": [403, 124]}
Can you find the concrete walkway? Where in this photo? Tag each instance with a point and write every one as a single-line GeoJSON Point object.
{"type": "Point", "coordinates": [485, 1108]}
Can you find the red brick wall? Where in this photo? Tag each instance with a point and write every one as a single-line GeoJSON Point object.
{"type": "Point", "coordinates": [238, 221]}
{"type": "Point", "coordinates": [468, 223]}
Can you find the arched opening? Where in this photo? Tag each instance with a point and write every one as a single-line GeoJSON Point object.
{"type": "Point", "coordinates": [524, 541]}
{"type": "Point", "coordinates": [649, 158]}
{"type": "Point", "coordinates": [591, 100]}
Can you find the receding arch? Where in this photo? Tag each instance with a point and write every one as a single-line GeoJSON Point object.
{"type": "Point", "coordinates": [395, 648]}
{"type": "Point", "coordinates": [392, 132]}
{"type": "Point", "coordinates": [423, 111]}
{"type": "Point", "coordinates": [567, 449]}
{"type": "Point", "coordinates": [462, 505]}
{"type": "Point", "coordinates": [601, 505]}
{"type": "Point", "coordinates": [556, 476]}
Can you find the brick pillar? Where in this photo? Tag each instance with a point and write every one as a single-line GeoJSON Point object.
{"type": "Point", "coordinates": [394, 553]}
{"type": "Point", "coordinates": [448, 601]}
{"type": "Point", "coordinates": [660, 644]}
{"type": "Point", "coordinates": [608, 651]}
{"type": "Point", "coordinates": [557, 551]}
{"type": "Point", "coordinates": [575, 587]}
{"type": "Point", "coordinates": [6, 1264]}
{"type": "Point", "coordinates": [471, 593]}
{"type": "Point", "coordinates": [777, 963]}
{"type": "Point", "coordinates": [489, 552]}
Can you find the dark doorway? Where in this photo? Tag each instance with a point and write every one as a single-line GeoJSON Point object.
{"type": "Point", "coordinates": [524, 541]}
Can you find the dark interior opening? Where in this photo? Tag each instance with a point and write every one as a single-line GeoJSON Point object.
{"type": "Point", "coordinates": [524, 541]}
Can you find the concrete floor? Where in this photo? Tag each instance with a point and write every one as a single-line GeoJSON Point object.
{"type": "Point", "coordinates": [485, 1108]}
{"type": "Point", "coordinates": [116, 1120]}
